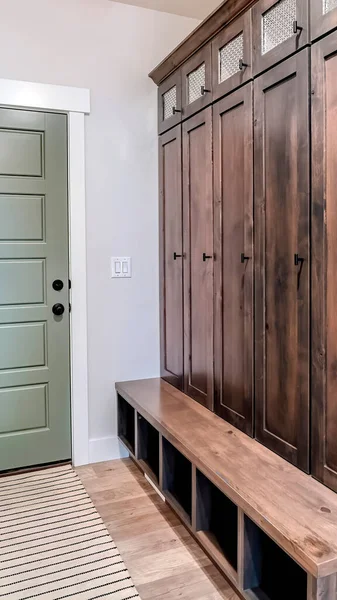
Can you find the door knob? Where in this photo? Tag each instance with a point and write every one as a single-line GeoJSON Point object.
{"type": "Point", "coordinates": [58, 309]}
{"type": "Point", "coordinates": [57, 285]}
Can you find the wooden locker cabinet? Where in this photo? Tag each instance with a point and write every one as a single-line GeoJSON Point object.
{"type": "Point", "coordinates": [232, 56]}
{"type": "Point", "coordinates": [170, 102]}
{"type": "Point", "coordinates": [324, 260]}
{"type": "Point", "coordinates": [323, 17]}
{"type": "Point", "coordinates": [233, 246]}
{"type": "Point", "coordinates": [196, 78]}
{"type": "Point", "coordinates": [198, 257]}
{"type": "Point", "coordinates": [171, 257]}
{"type": "Point", "coordinates": [280, 28]}
{"type": "Point", "coordinates": [282, 259]}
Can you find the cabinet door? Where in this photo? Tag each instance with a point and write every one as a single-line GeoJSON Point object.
{"type": "Point", "coordinates": [169, 102]}
{"type": "Point", "coordinates": [196, 78]}
{"type": "Point", "coordinates": [281, 166]}
{"type": "Point", "coordinates": [280, 28]}
{"type": "Point", "coordinates": [198, 251]}
{"type": "Point", "coordinates": [324, 261]}
{"type": "Point", "coordinates": [323, 17]}
{"type": "Point", "coordinates": [233, 245]}
{"type": "Point", "coordinates": [232, 56]}
{"type": "Point", "coordinates": [171, 261]}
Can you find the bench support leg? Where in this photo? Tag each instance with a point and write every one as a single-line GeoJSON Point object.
{"type": "Point", "coordinates": [324, 588]}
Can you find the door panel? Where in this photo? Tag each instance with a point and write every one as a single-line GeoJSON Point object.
{"type": "Point", "coordinates": [34, 344]}
{"type": "Point", "coordinates": [282, 287]}
{"type": "Point", "coordinates": [171, 257]}
{"type": "Point", "coordinates": [323, 17]}
{"type": "Point", "coordinates": [324, 260]}
{"type": "Point", "coordinates": [198, 252]}
{"type": "Point", "coordinates": [233, 192]}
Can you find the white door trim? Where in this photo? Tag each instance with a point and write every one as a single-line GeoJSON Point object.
{"type": "Point", "coordinates": [76, 103]}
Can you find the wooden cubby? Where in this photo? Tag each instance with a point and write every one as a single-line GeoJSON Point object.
{"type": "Point", "coordinates": [177, 480]}
{"type": "Point", "coordinates": [269, 573]}
{"type": "Point", "coordinates": [148, 448]}
{"type": "Point", "coordinates": [126, 424]}
{"type": "Point", "coordinates": [216, 521]}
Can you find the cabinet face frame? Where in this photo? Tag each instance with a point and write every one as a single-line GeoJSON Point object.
{"type": "Point", "coordinates": [297, 452]}
{"type": "Point", "coordinates": [173, 81]}
{"type": "Point", "coordinates": [194, 257]}
{"type": "Point", "coordinates": [321, 23]}
{"type": "Point", "coordinates": [241, 25]}
{"type": "Point", "coordinates": [244, 98]}
{"type": "Point", "coordinates": [262, 62]}
{"type": "Point", "coordinates": [322, 241]}
{"type": "Point", "coordinates": [203, 56]}
{"type": "Point", "coordinates": [176, 379]}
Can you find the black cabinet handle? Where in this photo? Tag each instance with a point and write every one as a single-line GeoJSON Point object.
{"type": "Point", "coordinates": [175, 110]}
{"type": "Point", "coordinates": [243, 258]}
{"type": "Point", "coordinates": [205, 257]}
{"type": "Point", "coordinates": [298, 260]}
{"type": "Point", "coordinates": [242, 64]}
{"type": "Point", "coordinates": [204, 91]}
{"type": "Point", "coordinates": [296, 27]}
{"type": "Point", "coordinates": [175, 256]}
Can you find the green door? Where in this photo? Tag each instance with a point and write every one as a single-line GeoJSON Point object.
{"type": "Point", "coordinates": [34, 342]}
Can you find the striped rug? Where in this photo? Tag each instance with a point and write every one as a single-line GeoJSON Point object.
{"type": "Point", "coordinates": [53, 543]}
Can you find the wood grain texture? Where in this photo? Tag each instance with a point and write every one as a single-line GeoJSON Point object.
{"type": "Point", "coordinates": [324, 256]}
{"type": "Point", "coordinates": [233, 235]}
{"type": "Point", "coordinates": [296, 511]}
{"type": "Point", "coordinates": [204, 56]}
{"type": "Point", "coordinates": [161, 555]}
{"type": "Point", "coordinates": [171, 270]}
{"type": "Point", "coordinates": [198, 274]}
{"type": "Point", "coordinates": [263, 61]}
{"type": "Point", "coordinates": [321, 22]}
{"type": "Point", "coordinates": [322, 589]}
{"type": "Point", "coordinates": [223, 15]}
{"type": "Point", "coordinates": [282, 300]}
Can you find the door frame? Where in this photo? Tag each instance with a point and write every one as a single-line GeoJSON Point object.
{"type": "Point", "coordinates": [75, 102]}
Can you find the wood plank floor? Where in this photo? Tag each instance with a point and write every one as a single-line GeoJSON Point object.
{"type": "Point", "coordinates": [163, 559]}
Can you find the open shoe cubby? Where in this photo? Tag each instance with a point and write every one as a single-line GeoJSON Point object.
{"type": "Point", "coordinates": [126, 424]}
{"type": "Point", "coordinates": [217, 518]}
{"type": "Point", "coordinates": [177, 480]}
{"type": "Point", "coordinates": [148, 447]}
{"type": "Point", "coordinates": [269, 573]}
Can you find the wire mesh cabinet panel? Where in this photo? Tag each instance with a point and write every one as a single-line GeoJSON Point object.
{"type": "Point", "coordinates": [169, 102]}
{"type": "Point", "coordinates": [280, 28]}
{"type": "Point", "coordinates": [196, 78]}
{"type": "Point", "coordinates": [232, 56]}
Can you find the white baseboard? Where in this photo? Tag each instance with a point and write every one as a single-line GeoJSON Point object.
{"type": "Point", "coordinates": [103, 449]}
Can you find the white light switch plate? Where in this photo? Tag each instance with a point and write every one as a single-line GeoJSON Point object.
{"type": "Point", "coordinates": [120, 267]}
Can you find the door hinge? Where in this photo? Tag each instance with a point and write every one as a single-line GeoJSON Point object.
{"type": "Point", "coordinates": [69, 284]}
{"type": "Point", "coordinates": [69, 307]}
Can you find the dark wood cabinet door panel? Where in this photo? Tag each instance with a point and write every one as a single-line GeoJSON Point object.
{"type": "Point", "coordinates": [323, 17]}
{"type": "Point", "coordinates": [280, 28]}
{"type": "Point", "coordinates": [196, 79]}
{"type": "Point", "coordinates": [232, 56]}
{"type": "Point", "coordinates": [324, 261]}
{"type": "Point", "coordinates": [171, 260]}
{"type": "Point", "coordinates": [198, 252]}
{"type": "Point", "coordinates": [170, 102]}
{"type": "Point", "coordinates": [233, 245]}
{"type": "Point", "coordinates": [281, 150]}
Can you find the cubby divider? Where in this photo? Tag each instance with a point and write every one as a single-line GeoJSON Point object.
{"type": "Point", "coordinates": [148, 448]}
{"type": "Point", "coordinates": [269, 573]}
{"type": "Point", "coordinates": [217, 521]}
{"type": "Point", "coordinates": [177, 480]}
{"type": "Point", "coordinates": [126, 424]}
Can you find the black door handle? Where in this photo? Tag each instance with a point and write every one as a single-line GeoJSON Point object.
{"type": "Point", "coordinates": [175, 256]}
{"type": "Point", "coordinates": [243, 258]}
{"type": "Point", "coordinates": [242, 64]}
{"type": "Point", "coordinates": [204, 91]}
{"type": "Point", "coordinates": [205, 257]}
{"type": "Point", "coordinates": [58, 309]}
{"type": "Point", "coordinates": [298, 260]}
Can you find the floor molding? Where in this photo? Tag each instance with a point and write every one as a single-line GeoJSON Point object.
{"type": "Point", "coordinates": [108, 448]}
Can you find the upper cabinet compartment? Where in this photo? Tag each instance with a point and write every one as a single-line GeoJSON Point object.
{"type": "Point", "coordinates": [196, 76]}
{"type": "Point", "coordinates": [169, 102]}
{"type": "Point", "coordinates": [280, 28]}
{"type": "Point", "coordinates": [232, 56]}
{"type": "Point", "coordinates": [323, 17]}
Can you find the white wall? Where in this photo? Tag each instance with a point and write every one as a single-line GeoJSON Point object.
{"type": "Point", "coordinates": [109, 48]}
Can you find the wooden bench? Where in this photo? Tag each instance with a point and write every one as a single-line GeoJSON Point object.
{"type": "Point", "coordinates": [271, 528]}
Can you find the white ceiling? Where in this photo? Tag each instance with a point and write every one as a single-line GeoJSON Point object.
{"type": "Point", "coordinates": [199, 9]}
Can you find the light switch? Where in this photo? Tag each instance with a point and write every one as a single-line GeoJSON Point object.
{"type": "Point", "coordinates": [120, 266]}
